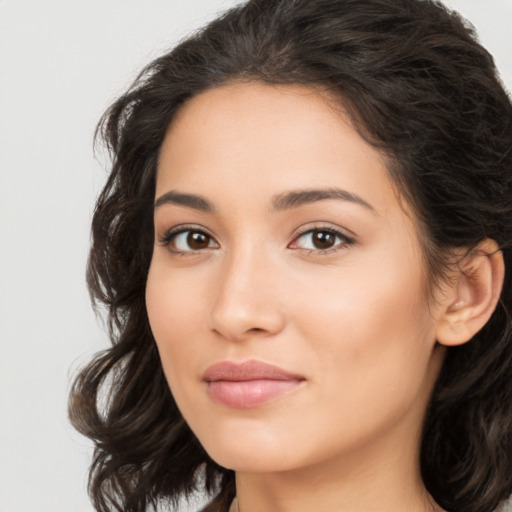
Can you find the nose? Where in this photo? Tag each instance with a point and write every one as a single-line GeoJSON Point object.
{"type": "Point", "coordinates": [248, 300]}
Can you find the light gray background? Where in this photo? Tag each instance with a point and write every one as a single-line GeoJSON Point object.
{"type": "Point", "coordinates": [61, 63]}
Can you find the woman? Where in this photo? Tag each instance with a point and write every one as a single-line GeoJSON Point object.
{"type": "Point", "coordinates": [304, 247]}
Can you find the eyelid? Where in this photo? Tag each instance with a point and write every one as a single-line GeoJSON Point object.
{"type": "Point", "coordinates": [170, 234]}
{"type": "Point", "coordinates": [347, 239]}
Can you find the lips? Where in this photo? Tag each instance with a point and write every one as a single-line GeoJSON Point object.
{"type": "Point", "coordinates": [248, 384]}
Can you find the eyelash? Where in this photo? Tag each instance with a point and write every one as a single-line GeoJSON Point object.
{"type": "Point", "coordinates": [346, 241]}
{"type": "Point", "coordinates": [173, 233]}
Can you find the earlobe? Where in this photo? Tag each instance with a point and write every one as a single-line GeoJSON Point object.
{"type": "Point", "coordinates": [474, 294]}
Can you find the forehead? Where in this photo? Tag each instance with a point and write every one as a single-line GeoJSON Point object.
{"type": "Point", "coordinates": [248, 135]}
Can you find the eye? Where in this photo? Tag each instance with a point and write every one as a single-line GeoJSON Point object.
{"type": "Point", "coordinates": [183, 240]}
{"type": "Point", "coordinates": [321, 240]}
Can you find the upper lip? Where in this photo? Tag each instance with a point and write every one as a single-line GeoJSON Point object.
{"type": "Point", "coordinates": [247, 370]}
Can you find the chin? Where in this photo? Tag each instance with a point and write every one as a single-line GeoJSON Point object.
{"type": "Point", "coordinates": [260, 452]}
{"type": "Point", "coordinates": [251, 461]}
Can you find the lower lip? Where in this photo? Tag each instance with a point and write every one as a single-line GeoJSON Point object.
{"type": "Point", "coordinates": [249, 393]}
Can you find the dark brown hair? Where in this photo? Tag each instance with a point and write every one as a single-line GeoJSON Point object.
{"type": "Point", "coordinates": [419, 86]}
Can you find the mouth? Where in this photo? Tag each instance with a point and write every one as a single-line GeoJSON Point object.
{"type": "Point", "coordinates": [248, 384]}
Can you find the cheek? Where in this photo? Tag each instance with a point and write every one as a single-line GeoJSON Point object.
{"type": "Point", "coordinates": [173, 305]}
{"type": "Point", "coordinates": [369, 326]}
{"type": "Point", "coordinates": [365, 293]}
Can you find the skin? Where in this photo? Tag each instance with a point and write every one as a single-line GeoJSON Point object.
{"type": "Point", "coordinates": [353, 320]}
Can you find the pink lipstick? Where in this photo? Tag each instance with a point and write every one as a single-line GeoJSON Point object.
{"type": "Point", "coordinates": [248, 384]}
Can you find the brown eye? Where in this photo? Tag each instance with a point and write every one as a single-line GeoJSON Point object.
{"type": "Point", "coordinates": [198, 241]}
{"type": "Point", "coordinates": [188, 241]}
{"type": "Point", "coordinates": [323, 239]}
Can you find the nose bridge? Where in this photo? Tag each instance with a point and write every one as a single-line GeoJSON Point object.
{"type": "Point", "coordinates": [247, 296]}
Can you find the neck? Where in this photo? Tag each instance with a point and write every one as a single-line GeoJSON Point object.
{"type": "Point", "coordinates": [379, 481]}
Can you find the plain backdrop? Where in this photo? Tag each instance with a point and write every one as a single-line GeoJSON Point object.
{"type": "Point", "coordinates": [61, 63]}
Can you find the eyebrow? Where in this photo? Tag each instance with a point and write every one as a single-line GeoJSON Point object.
{"type": "Point", "coordinates": [297, 198]}
{"type": "Point", "coordinates": [190, 200]}
{"type": "Point", "coordinates": [280, 202]}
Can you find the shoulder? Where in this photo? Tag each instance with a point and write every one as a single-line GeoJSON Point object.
{"type": "Point", "coordinates": [212, 507]}
{"type": "Point", "coordinates": [216, 506]}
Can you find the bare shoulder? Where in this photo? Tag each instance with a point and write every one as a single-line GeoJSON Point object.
{"type": "Point", "coordinates": [221, 505]}
{"type": "Point", "coordinates": [213, 506]}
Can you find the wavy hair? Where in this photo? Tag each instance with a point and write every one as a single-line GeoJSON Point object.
{"type": "Point", "coordinates": [417, 85]}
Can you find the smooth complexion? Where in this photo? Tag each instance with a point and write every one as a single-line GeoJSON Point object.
{"type": "Point", "coordinates": [280, 243]}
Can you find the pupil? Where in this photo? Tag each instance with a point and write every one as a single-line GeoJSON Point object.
{"type": "Point", "coordinates": [197, 241]}
{"type": "Point", "coordinates": [323, 239]}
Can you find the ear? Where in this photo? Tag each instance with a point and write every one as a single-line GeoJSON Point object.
{"type": "Point", "coordinates": [472, 295]}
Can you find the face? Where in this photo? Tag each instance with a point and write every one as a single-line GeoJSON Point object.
{"type": "Point", "coordinates": [286, 291]}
